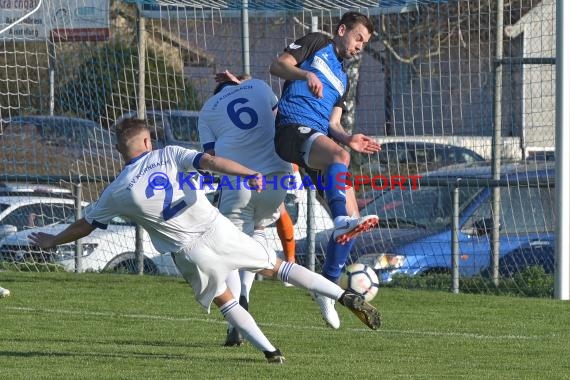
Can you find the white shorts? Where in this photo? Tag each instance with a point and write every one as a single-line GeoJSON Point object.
{"type": "Point", "coordinates": [250, 210]}
{"type": "Point", "coordinates": [207, 261]}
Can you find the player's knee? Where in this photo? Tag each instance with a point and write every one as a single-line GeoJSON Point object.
{"type": "Point", "coordinates": [341, 156]}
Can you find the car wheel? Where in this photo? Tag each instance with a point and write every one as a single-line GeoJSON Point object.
{"type": "Point", "coordinates": [127, 263]}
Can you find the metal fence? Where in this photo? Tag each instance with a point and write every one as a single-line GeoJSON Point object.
{"type": "Point", "coordinates": [475, 74]}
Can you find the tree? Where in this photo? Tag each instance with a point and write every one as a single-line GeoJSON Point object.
{"type": "Point", "coordinates": [105, 85]}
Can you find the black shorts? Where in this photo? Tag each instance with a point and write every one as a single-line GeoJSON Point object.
{"type": "Point", "coordinates": [289, 141]}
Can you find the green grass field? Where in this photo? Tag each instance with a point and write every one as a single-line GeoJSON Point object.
{"type": "Point", "coordinates": [96, 326]}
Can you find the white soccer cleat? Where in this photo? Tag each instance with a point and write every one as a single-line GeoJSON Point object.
{"type": "Point", "coordinates": [327, 310]}
{"type": "Point", "coordinates": [348, 227]}
{"type": "Point", "coordinates": [4, 292]}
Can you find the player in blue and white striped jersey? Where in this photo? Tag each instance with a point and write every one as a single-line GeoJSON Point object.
{"type": "Point", "coordinates": [308, 128]}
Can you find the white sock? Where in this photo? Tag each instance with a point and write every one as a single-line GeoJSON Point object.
{"type": "Point", "coordinates": [238, 317]}
{"type": "Point", "coordinates": [301, 276]}
{"type": "Point", "coordinates": [234, 284]}
{"type": "Point", "coordinates": [247, 279]}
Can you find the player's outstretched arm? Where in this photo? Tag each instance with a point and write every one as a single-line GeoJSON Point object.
{"type": "Point", "coordinates": [226, 166]}
{"type": "Point", "coordinates": [357, 142]}
{"type": "Point", "coordinates": [74, 232]}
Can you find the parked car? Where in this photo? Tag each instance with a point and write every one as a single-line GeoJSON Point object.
{"type": "Point", "coordinates": [416, 156]}
{"type": "Point", "coordinates": [49, 145]}
{"type": "Point", "coordinates": [414, 236]}
{"type": "Point", "coordinates": [56, 130]}
{"type": "Point", "coordinates": [111, 249]}
{"type": "Point", "coordinates": [170, 127]}
{"type": "Point", "coordinates": [541, 155]}
{"type": "Point", "coordinates": [26, 206]}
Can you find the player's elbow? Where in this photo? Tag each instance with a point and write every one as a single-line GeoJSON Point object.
{"type": "Point", "coordinates": [280, 64]}
{"type": "Point", "coordinates": [274, 68]}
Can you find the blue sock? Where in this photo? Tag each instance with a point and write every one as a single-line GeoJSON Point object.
{"type": "Point", "coordinates": [335, 259]}
{"type": "Point", "coordinates": [336, 196]}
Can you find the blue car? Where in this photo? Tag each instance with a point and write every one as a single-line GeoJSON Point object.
{"type": "Point", "coordinates": [415, 232]}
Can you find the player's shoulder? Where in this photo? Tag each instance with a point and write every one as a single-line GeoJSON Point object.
{"type": "Point", "coordinates": [314, 38]}
{"type": "Point", "coordinates": [258, 83]}
{"type": "Point", "coordinates": [174, 150]}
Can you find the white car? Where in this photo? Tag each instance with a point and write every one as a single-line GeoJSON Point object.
{"type": "Point", "coordinates": [112, 249]}
{"type": "Point", "coordinates": [27, 208]}
{"type": "Point", "coordinates": [24, 206]}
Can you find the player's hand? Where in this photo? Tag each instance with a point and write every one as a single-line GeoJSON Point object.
{"type": "Point", "coordinates": [315, 85]}
{"type": "Point", "coordinates": [255, 182]}
{"type": "Point", "coordinates": [363, 144]}
{"type": "Point", "coordinates": [226, 76]}
{"type": "Point", "coordinates": [42, 240]}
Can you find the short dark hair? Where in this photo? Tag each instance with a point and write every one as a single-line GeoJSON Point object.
{"type": "Point", "coordinates": [351, 19]}
{"type": "Point", "coordinates": [129, 127]}
{"type": "Point", "coordinates": [221, 86]}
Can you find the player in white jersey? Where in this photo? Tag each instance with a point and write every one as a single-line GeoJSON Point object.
{"type": "Point", "coordinates": [238, 122]}
{"type": "Point", "coordinates": [156, 190]}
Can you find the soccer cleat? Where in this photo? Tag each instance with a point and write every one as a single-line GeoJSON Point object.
{"type": "Point", "coordinates": [4, 292]}
{"type": "Point", "coordinates": [348, 227]}
{"type": "Point", "coordinates": [288, 285]}
{"type": "Point", "coordinates": [362, 309]}
{"type": "Point", "coordinates": [274, 357]}
{"type": "Point", "coordinates": [327, 310]}
{"type": "Point", "coordinates": [233, 338]}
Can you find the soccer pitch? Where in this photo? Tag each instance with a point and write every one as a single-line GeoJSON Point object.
{"type": "Point", "coordinates": [99, 326]}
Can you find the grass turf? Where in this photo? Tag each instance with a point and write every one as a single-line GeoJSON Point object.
{"type": "Point", "coordinates": [104, 326]}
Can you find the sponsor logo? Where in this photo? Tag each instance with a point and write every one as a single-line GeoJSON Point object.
{"type": "Point", "coordinates": [294, 46]}
{"type": "Point", "coordinates": [304, 130]}
{"type": "Point", "coordinates": [341, 182]}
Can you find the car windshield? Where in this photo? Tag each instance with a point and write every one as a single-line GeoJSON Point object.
{"type": "Point", "coordinates": [426, 207]}
{"type": "Point", "coordinates": [40, 214]}
{"type": "Point", "coordinates": [70, 131]}
{"type": "Point", "coordinates": [184, 128]}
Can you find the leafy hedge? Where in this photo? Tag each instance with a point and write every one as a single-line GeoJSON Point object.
{"type": "Point", "coordinates": [531, 282]}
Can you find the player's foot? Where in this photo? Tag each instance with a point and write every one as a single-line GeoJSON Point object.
{"type": "Point", "coordinates": [362, 309]}
{"type": "Point", "coordinates": [348, 227]}
{"type": "Point", "coordinates": [327, 310]}
{"type": "Point", "coordinates": [233, 338]}
{"type": "Point", "coordinates": [4, 292]}
{"type": "Point", "coordinates": [274, 357]}
{"type": "Point", "coordinates": [288, 285]}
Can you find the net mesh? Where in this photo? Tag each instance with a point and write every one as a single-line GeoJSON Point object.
{"type": "Point", "coordinates": [432, 86]}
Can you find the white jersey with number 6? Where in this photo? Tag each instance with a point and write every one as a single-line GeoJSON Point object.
{"type": "Point", "coordinates": [242, 116]}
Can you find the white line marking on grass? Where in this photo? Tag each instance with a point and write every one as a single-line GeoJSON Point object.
{"type": "Point", "coordinates": [464, 335]}
{"type": "Point", "coordinates": [292, 327]}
